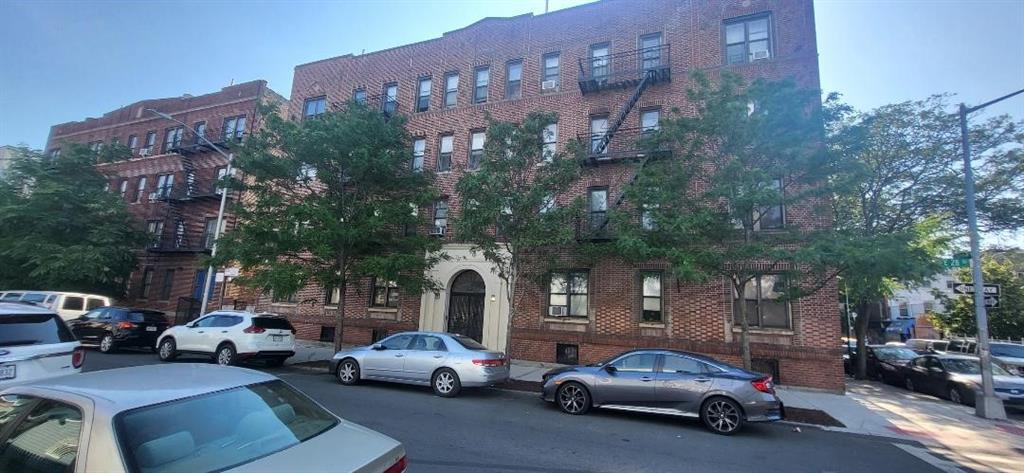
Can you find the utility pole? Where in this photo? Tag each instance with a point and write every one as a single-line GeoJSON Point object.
{"type": "Point", "coordinates": [989, 406]}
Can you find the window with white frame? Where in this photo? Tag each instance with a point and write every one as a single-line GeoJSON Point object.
{"type": "Point", "coordinates": [390, 100]}
{"type": "Point", "coordinates": [568, 294]}
{"type": "Point", "coordinates": [651, 305]}
{"type": "Point", "coordinates": [599, 61]}
{"type": "Point", "coordinates": [124, 188]}
{"type": "Point", "coordinates": [650, 51]}
{"type": "Point", "coordinates": [140, 189]}
{"type": "Point", "coordinates": [385, 293]}
{"type": "Point", "coordinates": [552, 69]}
{"type": "Point", "coordinates": [440, 216]}
{"type": "Point", "coordinates": [423, 95]}
{"type": "Point", "coordinates": [482, 80]}
{"type": "Point", "coordinates": [359, 95]}
{"type": "Point", "coordinates": [650, 120]}
{"type": "Point", "coordinates": [747, 40]}
{"type": "Point", "coordinates": [597, 206]}
{"type": "Point", "coordinates": [150, 142]}
{"type": "Point", "coordinates": [444, 154]}
{"type": "Point", "coordinates": [598, 128]}
{"type": "Point", "coordinates": [133, 143]}
{"type": "Point", "coordinates": [550, 142]}
{"type": "Point", "coordinates": [451, 89]}
{"type": "Point", "coordinates": [419, 148]}
{"type": "Point", "coordinates": [155, 228]}
{"type": "Point", "coordinates": [476, 150]}
{"type": "Point", "coordinates": [234, 127]}
{"type": "Point", "coordinates": [164, 184]}
{"type": "Point", "coordinates": [514, 79]}
{"type": "Point", "coordinates": [763, 297]}
{"type": "Point", "coordinates": [172, 138]}
{"type": "Point", "coordinates": [314, 107]}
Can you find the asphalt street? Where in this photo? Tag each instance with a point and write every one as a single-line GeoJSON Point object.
{"type": "Point", "coordinates": [509, 431]}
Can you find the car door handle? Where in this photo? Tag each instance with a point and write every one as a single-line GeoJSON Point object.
{"type": "Point", "coordinates": [399, 356]}
{"type": "Point", "coordinates": [200, 331]}
{"type": "Point", "coordinates": [223, 331]}
{"type": "Point", "coordinates": [646, 379]}
{"type": "Point", "coordinates": [702, 380]}
{"type": "Point", "coordinates": [438, 356]}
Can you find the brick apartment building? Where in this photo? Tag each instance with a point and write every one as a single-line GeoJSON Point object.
{"type": "Point", "coordinates": [614, 68]}
{"type": "Point", "coordinates": [170, 181]}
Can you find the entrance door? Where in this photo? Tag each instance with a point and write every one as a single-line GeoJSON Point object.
{"type": "Point", "coordinates": [466, 306]}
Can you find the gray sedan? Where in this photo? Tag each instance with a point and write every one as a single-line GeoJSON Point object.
{"type": "Point", "coordinates": [667, 382]}
{"type": "Point", "coordinates": [446, 362]}
{"type": "Point", "coordinates": [181, 418]}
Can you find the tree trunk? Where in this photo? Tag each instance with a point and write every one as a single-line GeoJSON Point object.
{"type": "Point", "coordinates": [744, 326]}
{"type": "Point", "coordinates": [339, 317]}
{"type": "Point", "coordinates": [861, 326]}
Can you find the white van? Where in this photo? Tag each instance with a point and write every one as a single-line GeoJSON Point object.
{"type": "Point", "coordinates": [69, 305]}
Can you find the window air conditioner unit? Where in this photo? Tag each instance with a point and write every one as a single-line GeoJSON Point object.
{"type": "Point", "coordinates": [557, 311]}
{"type": "Point", "coordinates": [439, 231]}
{"type": "Point", "coordinates": [549, 85]}
{"type": "Point", "coordinates": [758, 55]}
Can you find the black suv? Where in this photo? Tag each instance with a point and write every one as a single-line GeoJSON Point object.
{"type": "Point", "coordinates": [113, 327]}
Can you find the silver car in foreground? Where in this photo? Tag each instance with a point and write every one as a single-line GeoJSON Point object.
{"type": "Point", "coordinates": [446, 362]}
{"type": "Point", "coordinates": [667, 382]}
{"type": "Point", "coordinates": [181, 418]}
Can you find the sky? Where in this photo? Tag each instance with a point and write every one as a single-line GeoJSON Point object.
{"type": "Point", "coordinates": [63, 61]}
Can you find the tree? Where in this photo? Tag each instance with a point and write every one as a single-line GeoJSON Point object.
{"type": "Point", "coordinates": [329, 201]}
{"type": "Point", "coordinates": [60, 229]}
{"type": "Point", "coordinates": [514, 207]}
{"type": "Point", "coordinates": [739, 197]}
{"type": "Point", "coordinates": [1005, 321]}
{"type": "Point", "coordinates": [900, 194]}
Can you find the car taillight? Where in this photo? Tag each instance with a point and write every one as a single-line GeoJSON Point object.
{"type": "Point", "coordinates": [125, 325]}
{"type": "Point", "coordinates": [764, 385]}
{"type": "Point", "coordinates": [254, 329]}
{"type": "Point", "coordinates": [490, 362]}
{"type": "Point", "coordinates": [78, 357]}
{"type": "Point", "coordinates": [399, 466]}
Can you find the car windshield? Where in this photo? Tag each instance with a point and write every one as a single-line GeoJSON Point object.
{"type": "Point", "coordinates": [1003, 349]}
{"type": "Point", "coordinates": [894, 353]}
{"type": "Point", "coordinates": [468, 343]}
{"type": "Point", "coordinates": [33, 329]}
{"type": "Point", "coordinates": [218, 431]}
{"type": "Point", "coordinates": [968, 366]}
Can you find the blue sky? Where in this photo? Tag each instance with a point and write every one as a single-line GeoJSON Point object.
{"type": "Point", "coordinates": [66, 60]}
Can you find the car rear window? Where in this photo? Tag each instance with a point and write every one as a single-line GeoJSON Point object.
{"type": "Point", "coordinates": [93, 303]}
{"type": "Point", "coordinates": [74, 303]}
{"type": "Point", "coordinates": [968, 366]}
{"type": "Point", "coordinates": [218, 431]}
{"type": "Point", "coordinates": [33, 329]}
{"type": "Point", "coordinates": [272, 323]}
{"type": "Point", "coordinates": [468, 343]}
{"type": "Point", "coordinates": [33, 297]}
{"type": "Point", "coordinates": [152, 317]}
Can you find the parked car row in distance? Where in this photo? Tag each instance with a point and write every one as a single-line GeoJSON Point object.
{"type": "Point", "coordinates": [69, 305]}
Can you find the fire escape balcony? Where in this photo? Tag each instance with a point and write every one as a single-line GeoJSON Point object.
{"type": "Point", "coordinates": [199, 190]}
{"type": "Point", "coordinates": [223, 139]}
{"type": "Point", "coordinates": [180, 245]}
{"type": "Point", "coordinates": [626, 143]}
{"type": "Point", "coordinates": [624, 70]}
{"type": "Point", "coordinates": [387, 105]}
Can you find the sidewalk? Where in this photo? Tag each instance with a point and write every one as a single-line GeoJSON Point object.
{"type": "Point", "coordinates": [950, 430]}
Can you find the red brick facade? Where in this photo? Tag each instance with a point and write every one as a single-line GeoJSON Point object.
{"type": "Point", "coordinates": [175, 260]}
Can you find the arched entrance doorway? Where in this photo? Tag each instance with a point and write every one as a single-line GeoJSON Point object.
{"type": "Point", "coordinates": [466, 305]}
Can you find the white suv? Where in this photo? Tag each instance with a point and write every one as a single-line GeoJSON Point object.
{"type": "Point", "coordinates": [230, 336]}
{"type": "Point", "coordinates": [35, 344]}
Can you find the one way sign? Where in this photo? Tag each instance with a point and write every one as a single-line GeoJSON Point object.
{"type": "Point", "coordinates": [966, 288]}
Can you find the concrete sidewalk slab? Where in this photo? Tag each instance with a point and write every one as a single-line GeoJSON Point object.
{"type": "Point", "coordinates": [308, 350]}
{"type": "Point", "coordinates": [532, 371]}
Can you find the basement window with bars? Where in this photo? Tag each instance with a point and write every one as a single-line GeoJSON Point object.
{"type": "Point", "coordinates": [568, 294]}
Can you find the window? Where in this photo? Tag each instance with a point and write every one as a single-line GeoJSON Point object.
{"type": "Point", "coordinates": [172, 138]}
{"type": "Point", "coordinates": [747, 40]}
{"type": "Point", "coordinates": [428, 343]}
{"type": "Point", "coordinates": [209, 234]}
{"type": "Point", "coordinates": [398, 342]}
{"type": "Point", "coordinates": [74, 303]}
{"type": "Point", "coordinates": [552, 69]}
{"type": "Point", "coordinates": [326, 333]}
{"type": "Point", "coordinates": [514, 79]}
{"type": "Point", "coordinates": [45, 439]}
{"type": "Point", "coordinates": [218, 186]}
{"type": "Point", "coordinates": [451, 89]}
{"type": "Point", "coordinates": [680, 364]}
{"type": "Point", "coordinates": [650, 120]}
{"type": "Point", "coordinates": [773, 217]}
{"type": "Point", "coordinates": [315, 107]}
{"type": "Point", "coordinates": [198, 132]}
{"type": "Point", "coordinates": [165, 290]}
{"type": "Point", "coordinates": [133, 143]}
{"type": "Point", "coordinates": [385, 293]}
{"type": "Point", "coordinates": [476, 150]}
{"type": "Point", "coordinates": [92, 303]}
{"type": "Point", "coordinates": [147, 283]}
{"type": "Point", "coordinates": [764, 308]}
{"type": "Point", "coordinates": [569, 292]}
{"type": "Point", "coordinates": [164, 184]}
{"type": "Point", "coordinates": [567, 353]}
{"type": "Point", "coordinates": [96, 146]}
{"type": "Point", "coordinates": [598, 128]}
{"type": "Point", "coordinates": [279, 298]}
{"type": "Point", "coordinates": [423, 95]}
{"type": "Point", "coordinates": [419, 148]}
{"type": "Point", "coordinates": [650, 51]}
{"type": "Point", "coordinates": [140, 189]}
{"type": "Point", "coordinates": [55, 153]}
{"type": "Point", "coordinates": [599, 61]}
{"type": "Point", "coordinates": [123, 189]}
{"type": "Point", "coordinates": [155, 228]}
{"type": "Point", "coordinates": [648, 220]}
{"type": "Point", "coordinates": [483, 80]}
{"type": "Point", "coordinates": [550, 138]}
{"type": "Point", "coordinates": [150, 142]}
{"type": "Point", "coordinates": [390, 100]}
{"type": "Point", "coordinates": [179, 233]}
{"type": "Point", "coordinates": [333, 296]}
{"type": "Point", "coordinates": [440, 216]}
{"type": "Point", "coordinates": [234, 127]}
{"type": "Point", "coordinates": [359, 95]}
{"type": "Point", "coordinates": [548, 204]}
{"type": "Point", "coordinates": [652, 308]}
{"type": "Point", "coordinates": [597, 205]}
{"type": "Point", "coordinates": [307, 172]}
{"type": "Point", "coordinates": [444, 155]}
{"type": "Point", "coordinates": [636, 363]}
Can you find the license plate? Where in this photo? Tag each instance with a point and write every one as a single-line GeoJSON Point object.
{"type": "Point", "coordinates": [277, 338]}
{"type": "Point", "coordinates": [151, 329]}
{"type": "Point", "coordinates": [8, 371]}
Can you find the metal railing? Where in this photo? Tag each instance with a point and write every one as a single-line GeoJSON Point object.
{"type": "Point", "coordinates": [626, 143]}
{"type": "Point", "coordinates": [196, 190]}
{"type": "Point", "coordinates": [625, 68]}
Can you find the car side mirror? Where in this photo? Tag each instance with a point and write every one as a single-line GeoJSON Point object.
{"type": "Point", "coordinates": [611, 369]}
{"type": "Point", "coordinates": [377, 346]}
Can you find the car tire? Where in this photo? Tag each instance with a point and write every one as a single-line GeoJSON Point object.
{"type": "Point", "coordinates": [956, 395]}
{"type": "Point", "coordinates": [276, 361]}
{"type": "Point", "coordinates": [225, 355]}
{"type": "Point", "coordinates": [721, 415]}
{"type": "Point", "coordinates": [107, 343]}
{"type": "Point", "coordinates": [909, 384]}
{"type": "Point", "coordinates": [348, 372]}
{"type": "Point", "coordinates": [168, 349]}
{"type": "Point", "coordinates": [445, 383]}
{"type": "Point", "coordinates": [573, 398]}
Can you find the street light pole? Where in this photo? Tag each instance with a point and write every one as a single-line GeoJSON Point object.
{"type": "Point", "coordinates": [220, 213]}
{"type": "Point", "coordinates": [989, 406]}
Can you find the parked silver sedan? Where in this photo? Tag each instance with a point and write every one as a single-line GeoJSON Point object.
{"type": "Point", "coordinates": [446, 362]}
{"type": "Point", "coordinates": [667, 382]}
{"type": "Point", "coordinates": [181, 418]}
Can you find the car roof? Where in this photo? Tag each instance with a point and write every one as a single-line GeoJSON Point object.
{"type": "Point", "coordinates": [8, 308]}
{"type": "Point", "coordinates": [121, 389]}
{"type": "Point", "coordinates": [951, 356]}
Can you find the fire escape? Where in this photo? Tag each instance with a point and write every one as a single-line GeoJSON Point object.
{"type": "Point", "coordinates": [637, 70]}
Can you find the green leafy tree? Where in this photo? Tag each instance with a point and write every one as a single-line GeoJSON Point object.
{"type": "Point", "coordinates": [714, 209]}
{"type": "Point", "coordinates": [330, 201]}
{"type": "Point", "coordinates": [1005, 321]}
{"type": "Point", "coordinates": [515, 207]}
{"type": "Point", "coordinates": [60, 229]}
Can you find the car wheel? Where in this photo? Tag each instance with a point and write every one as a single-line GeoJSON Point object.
{"type": "Point", "coordinates": [573, 398]}
{"type": "Point", "coordinates": [107, 343]}
{"type": "Point", "coordinates": [956, 396]}
{"type": "Point", "coordinates": [909, 384]}
{"type": "Point", "coordinates": [722, 415]}
{"type": "Point", "coordinates": [275, 362]}
{"type": "Point", "coordinates": [446, 383]}
{"type": "Point", "coordinates": [225, 355]}
{"type": "Point", "coordinates": [168, 350]}
{"type": "Point", "coordinates": [348, 372]}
